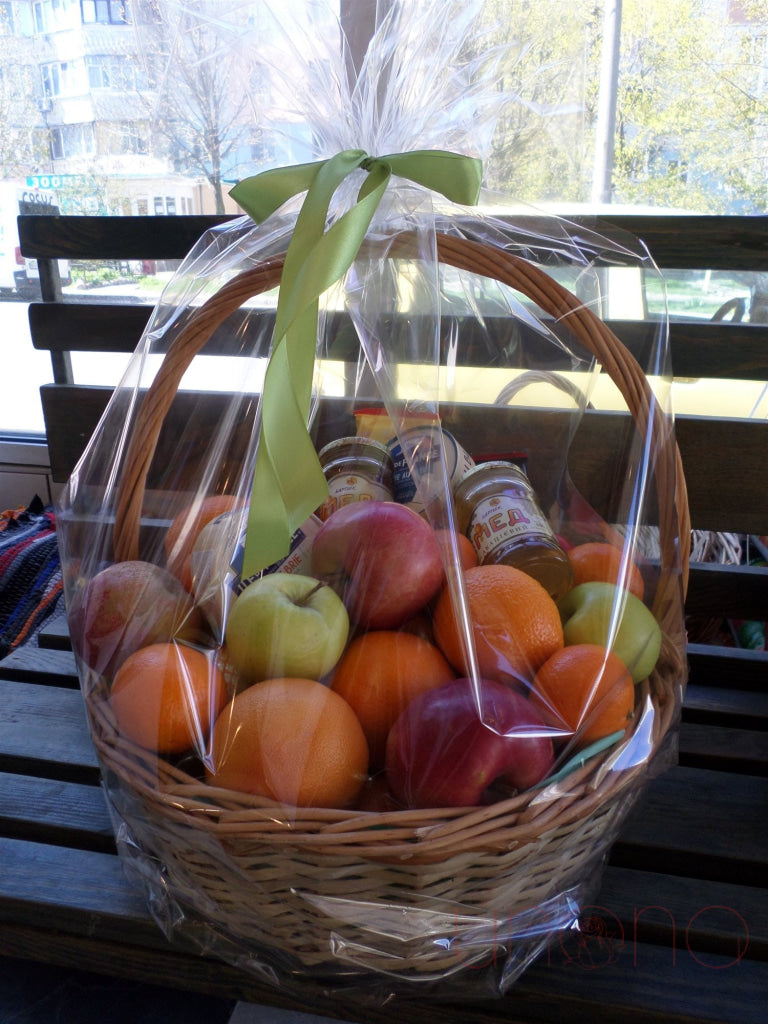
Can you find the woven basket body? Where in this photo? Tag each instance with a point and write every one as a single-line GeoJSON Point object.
{"type": "Point", "coordinates": [413, 894]}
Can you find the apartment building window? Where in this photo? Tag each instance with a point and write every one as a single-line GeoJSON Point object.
{"type": "Point", "coordinates": [72, 140]}
{"type": "Point", "coordinates": [41, 17]}
{"type": "Point", "coordinates": [124, 138]}
{"type": "Point", "coordinates": [51, 78]}
{"type": "Point", "coordinates": [6, 19]}
{"type": "Point", "coordinates": [105, 12]}
{"type": "Point", "coordinates": [116, 73]}
{"type": "Point", "coordinates": [62, 78]}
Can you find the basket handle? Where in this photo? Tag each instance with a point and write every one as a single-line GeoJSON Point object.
{"type": "Point", "coordinates": [477, 258]}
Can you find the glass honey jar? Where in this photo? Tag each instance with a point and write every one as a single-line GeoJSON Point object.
{"type": "Point", "coordinates": [357, 469]}
{"type": "Point", "coordinates": [498, 510]}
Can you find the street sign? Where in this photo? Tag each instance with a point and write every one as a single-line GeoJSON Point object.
{"type": "Point", "coordinates": [51, 181]}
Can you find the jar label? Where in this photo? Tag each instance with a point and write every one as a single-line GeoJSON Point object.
{"type": "Point", "coordinates": [500, 519]}
{"type": "Point", "coordinates": [350, 487]}
{"type": "Point", "coordinates": [298, 560]}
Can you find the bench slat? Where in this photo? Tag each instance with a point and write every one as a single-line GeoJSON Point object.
{"type": "Point", "coordinates": [737, 243]}
{"type": "Point", "coordinates": [728, 682]}
{"type": "Point", "coordinates": [659, 908]}
{"type": "Point", "coordinates": [730, 750]}
{"type": "Point", "coordinates": [43, 731]}
{"type": "Point", "coordinates": [598, 442]}
{"type": "Point", "coordinates": [113, 238]}
{"type": "Point", "coordinates": [639, 982]}
{"type": "Point", "coordinates": [696, 349]}
{"type": "Point", "coordinates": [32, 663]}
{"type": "Point", "coordinates": [721, 458]}
{"type": "Point", "coordinates": [671, 828]}
{"type": "Point", "coordinates": [51, 811]}
{"type": "Point", "coordinates": [54, 633]}
{"type": "Point", "coordinates": [739, 591]}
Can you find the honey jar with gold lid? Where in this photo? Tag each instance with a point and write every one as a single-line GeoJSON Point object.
{"type": "Point", "coordinates": [357, 469]}
{"type": "Point", "coordinates": [498, 510]}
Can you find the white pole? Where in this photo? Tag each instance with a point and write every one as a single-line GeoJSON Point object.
{"type": "Point", "coordinates": [605, 128]}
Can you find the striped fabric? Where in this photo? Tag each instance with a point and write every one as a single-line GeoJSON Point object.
{"type": "Point", "coordinates": [30, 572]}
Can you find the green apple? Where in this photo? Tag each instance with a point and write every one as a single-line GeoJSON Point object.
{"type": "Point", "coordinates": [285, 624]}
{"type": "Point", "coordinates": [600, 613]}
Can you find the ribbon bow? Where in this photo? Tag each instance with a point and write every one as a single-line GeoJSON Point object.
{"type": "Point", "coordinates": [289, 484]}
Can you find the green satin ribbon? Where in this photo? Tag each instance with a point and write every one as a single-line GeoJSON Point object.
{"type": "Point", "coordinates": [288, 483]}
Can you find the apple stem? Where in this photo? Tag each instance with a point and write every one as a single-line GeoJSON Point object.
{"type": "Point", "coordinates": [305, 600]}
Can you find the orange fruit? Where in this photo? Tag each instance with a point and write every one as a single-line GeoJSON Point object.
{"type": "Point", "coordinates": [584, 688]}
{"type": "Point", "coordinates": [466, 549]}
{"type": "Point", "coordinates": [515, 624]}
{"type": "Point", "coordinates": [186, 527]}
{"type": "Point", "coordinates": [467, 552]}
{"type": "Point", "coordinates": [292, 740]}
{"type": "Point", "coordinates": [597, 560]}
{"type": "Point", "coordinates": [166, 696]}
{"type": "Point", "coordinates": [379, 673]}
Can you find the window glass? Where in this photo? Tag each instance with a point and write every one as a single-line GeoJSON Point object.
{"type": "Point", "coordinates": [105, 12]}
{"type": "Point", "coordinates": [116, 107]}
{"type": "Point", "coordinates": [72, 140]}
{"type": "Point", "coordinates": [107, 71]}
{"type": "Point", "coordinates": [6, 19]}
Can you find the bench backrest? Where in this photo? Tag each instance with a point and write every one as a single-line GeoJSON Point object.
{"type": "Point", "coordinates": [724, 459]}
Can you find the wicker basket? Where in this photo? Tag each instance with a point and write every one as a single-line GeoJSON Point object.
{"type": "Point", "coordinates": [296, 890]}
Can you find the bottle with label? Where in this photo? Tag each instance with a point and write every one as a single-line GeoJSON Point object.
{"type": "Point", "coordinates": [357, 469]}
{"type": "Point", "coordinates": [427, 446]}
{"type": "Point", "coordinates": [499, 512]}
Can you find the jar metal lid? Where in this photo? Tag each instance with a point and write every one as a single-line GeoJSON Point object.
{"type": "Point", "coordinates": [358, 444]}
{"type": "Point", "coordinates": [506, 467]}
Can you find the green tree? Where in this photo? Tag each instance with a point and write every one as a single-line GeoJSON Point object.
{"type": "Point", "coordinates": [692, 119]}
{"type": "Point", "coordinates": [692, 115]}
{"type": "Point", "coordinates": [542, 149]}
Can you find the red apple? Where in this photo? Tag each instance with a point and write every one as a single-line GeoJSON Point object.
{"type": "Point", "coordinates": [126, 606]}
{"type": "Point", "coordinates": [444, 751]}
{"type": "Point", "coordinates": [384, 559]}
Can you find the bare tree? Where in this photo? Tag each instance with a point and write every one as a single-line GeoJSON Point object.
{"type": "Point", "coordinates": [201, 110]}
{"type": "Point", "coordinates": [22, 138]}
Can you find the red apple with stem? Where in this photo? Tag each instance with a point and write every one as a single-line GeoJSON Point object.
{"type": "Point", "coordinates": [382, 557]}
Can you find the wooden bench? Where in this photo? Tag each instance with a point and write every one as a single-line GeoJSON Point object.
{"type": "Point", "coordinates": [679, 931]}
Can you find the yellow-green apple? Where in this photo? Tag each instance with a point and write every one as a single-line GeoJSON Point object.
{"type": "Point", "coordinates": [601, 613]}
{"type": "Point", "coordinates": [285, 624]}
{"type": "Point", "coordinates": [213, 577]}
{"type": "Point", "coordinates": [185, 529]}
{"type": "Point", "coordinates": [450, 744]}
{"type": "Point", "coordinates": [126, 606]}
{"type": "Point", "coordinates": [217, 558]}
{"type": "Point", "coordinates": [383, 558]}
